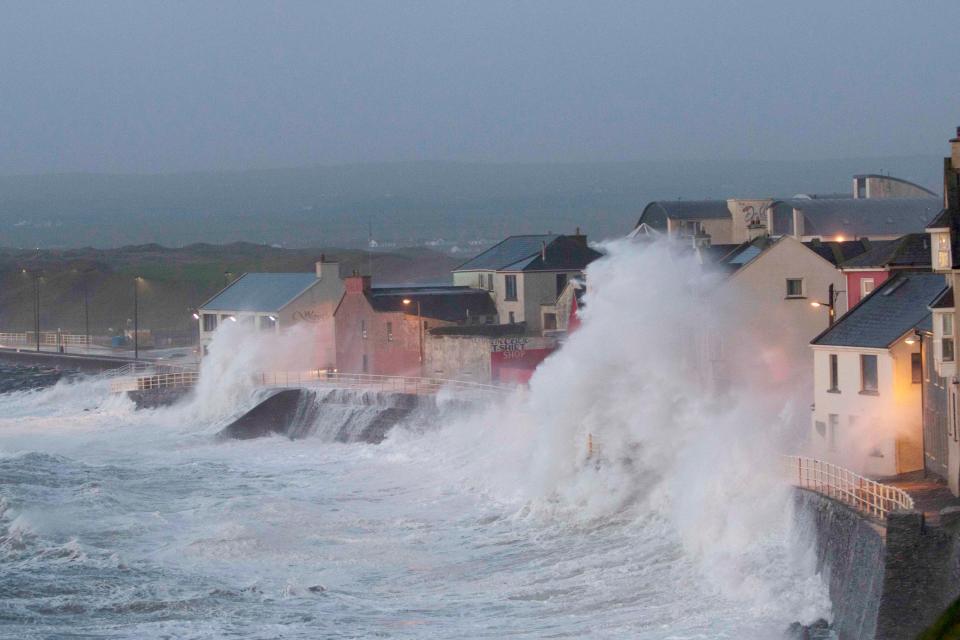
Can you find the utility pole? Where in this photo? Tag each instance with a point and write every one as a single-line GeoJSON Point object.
{"type": "Point", "coordinates": [36, 308]}
{"type": "Point", "coordinates": [136, 318]}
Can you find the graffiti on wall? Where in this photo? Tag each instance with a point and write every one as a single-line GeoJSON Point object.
{"type": "Point", "coordinates": [310, 316]}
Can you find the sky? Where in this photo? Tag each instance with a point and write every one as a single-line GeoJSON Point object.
{"type": "Point", "coordinates": [143, 87]}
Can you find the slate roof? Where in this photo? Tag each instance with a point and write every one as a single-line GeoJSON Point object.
{"type": "Point", "coordinates": [261, 292]}
{"type": "Point", "coordinates": [944, 300]}
{"type": "Point", "coordinates": [912, 250]}
{"type": "Point", "coordinates": [890, 311]}
{"type": "Point", "coordinates": [837, 252]}
{"type": "Point", "coordinates": [656, 213]}
{"type": "Point", "coordinates": [523, 253]}
{"type": "Point", "coordinates": [860, 217]}
{"type": "Point", "coordinates": [450, 304]}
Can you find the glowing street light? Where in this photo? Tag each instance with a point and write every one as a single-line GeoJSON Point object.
{"type": "Point", "coordinates": [408, 302]}
{"type": "Point", "coordinates": [832, 295]}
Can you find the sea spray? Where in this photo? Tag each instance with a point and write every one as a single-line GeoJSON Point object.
{"type": "Point", "coordinates": [658, 404]}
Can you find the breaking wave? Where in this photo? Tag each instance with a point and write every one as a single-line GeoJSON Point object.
{"type": "Point", "coordinates": [631, 491]}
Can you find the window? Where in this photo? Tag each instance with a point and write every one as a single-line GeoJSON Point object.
{"type": "Point", "coordinates": [389, 332]}
{"type": "Point", "coordinates": [794, 287]}
{"type": "Point", "coordinates": [549, 322]}
{"type": "Point", "coordinates": [510, 283]}
{"type": "Point", "coordinates": [916, 368]}
{"type": "Point", "coordinates": [833, 425]}
{"type": "Point", "coordinates": [363, 331]}
{"type": "Point", "coordinates": [364, 365]}
{"type": "Point", "coordinates": [480, 278]}
{"type": "Point", "coordinates": [834, 374]}
{"type": "Point", "coordinates": [489, 282]}
{"type": "Point", "coordinates": [946, 342]}
{"type": "Point", "coordinates": [868, 374]}
{"type": "Point", "coordinates": [866, 286]}
{"type": "Point", "coordinates": [209, 322]}
{"type": "Point", "coordinates": [268, 323]}
{"type": "Point", "coordinates": [942, 247]}
{"type": "Point", "coordinates": [561, 282]}
{"type": "Point", "coordinates": [512, 320]}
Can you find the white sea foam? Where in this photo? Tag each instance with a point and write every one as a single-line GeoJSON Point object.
{"type": "Point", "coordinates": [496, 523]}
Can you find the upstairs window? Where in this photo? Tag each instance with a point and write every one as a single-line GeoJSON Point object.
{"type": "Point", "coordinates": [941, 248]}
{"type": "Point", "coordinates": [510, 284]}
{"type": "Point", "coordinates": [363, 329]}
{"type": "Point", "coordinates": [834, 374]}
{"type": "Point", "coordinates": [209, 322]}
{"type": "Point", "coordinates": [794, 287]}
{"type": "Point", "coordinates": [916, 368]}
{"type": "Point", "coordinates": [561, 283]}
{"type": "Point", "coordinates": [549, 322]}
{"type": "Point", "coordinates": [389, 332]}
{"type": "Point", "coordinates": [489, 282]}
{"type": "Point", "coordinates": [946, 341]}
{"type": "Point", "coordinates": [868, 374]}
{"type": "Point", "coordinates": [866, 286]}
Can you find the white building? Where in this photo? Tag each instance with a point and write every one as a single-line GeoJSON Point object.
{"type": "Point", "coordinates": [275, 301]}
{"type": "Point", "coordinates": [868, 379]}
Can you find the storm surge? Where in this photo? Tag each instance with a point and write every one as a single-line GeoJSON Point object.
{"type": "Point", "coordinates": [631, 491]}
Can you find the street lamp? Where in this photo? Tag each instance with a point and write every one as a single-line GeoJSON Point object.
{"type": "Point", "coordinates": [408, 302]}
{"type": "Point", "coordinates": [831, 306]}
{"type": "Point", "coordinates": [136, 317]}
{"type": "Point", "coordinates": [36, 304]}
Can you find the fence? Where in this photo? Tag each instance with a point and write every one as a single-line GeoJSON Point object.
{"type": "Point", "coordinates": [371, 382]}
{"type": "Point", "coordinates": [142, 376]}
{"type": "Point", "coordinates": [47, 338]}
{"type": "Point", "coordinates": [867, 496]}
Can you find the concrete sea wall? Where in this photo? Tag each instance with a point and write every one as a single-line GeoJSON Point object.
{"type": "Point", "coordinates": [886, 582]}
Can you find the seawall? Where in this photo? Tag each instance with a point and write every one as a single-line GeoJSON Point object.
{"type": "Point", "coordinates": [886, 582]}
{"type": "Point", "coordinates": [73, 361]}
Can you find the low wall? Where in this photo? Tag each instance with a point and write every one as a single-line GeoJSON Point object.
{"type": "Point", "coordinates": [888, 583]}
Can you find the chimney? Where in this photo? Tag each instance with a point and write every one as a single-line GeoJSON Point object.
{"type": "Point", "coordinates": [543, 250]}
{"type": "Point", "coordinates": [579, 237]}
{"type": "Point", "coordinates": [798, 223]}
{"type": "Point", "coordinates": [324, 268]}
{"type": "Point", "coordinates": [357, 284]}
{"type": "Point", "coordinates": [955, 151]}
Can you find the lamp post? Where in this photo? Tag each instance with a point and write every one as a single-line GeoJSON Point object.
{"type": "Point", "coordinates": [136, 317]}
{"type": "Point", "coordinates": [831, 306]}
{"type": "Point", "coordinates": [36, 304]}
{"type": "Point", "coordinates": [408, 302]}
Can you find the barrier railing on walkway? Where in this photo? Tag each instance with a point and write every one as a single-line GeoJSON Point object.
{"type": "Point", "coordinates": [371, 382]}
{"type": "Point", "coordinates": [142, 376]}
{"type": "Point", "coordinates": [863, 494]}
{"type": "Point", "coordinates": [47, 338]}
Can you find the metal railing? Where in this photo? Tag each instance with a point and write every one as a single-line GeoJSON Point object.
{"type": "Point", "coordinates": [46, 338]}
{"type": "Point", "coordinates": [138, 376]}
{"type": "Point", "coordinates": [371, 382]}
{"type": "Point", "coordinates": [863, 494]}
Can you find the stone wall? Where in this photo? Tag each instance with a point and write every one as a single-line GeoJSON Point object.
{"type": "Point", "coordinates": [888, 583]}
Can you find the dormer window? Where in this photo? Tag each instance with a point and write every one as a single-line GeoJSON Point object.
{"type": "Point", "coordinates": [940, 245]}
{"type": "Point", "coordinates": [944, 349]}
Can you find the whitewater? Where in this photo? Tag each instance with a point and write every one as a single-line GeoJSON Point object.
{"type": "Point", "coordinates": [623, 495]}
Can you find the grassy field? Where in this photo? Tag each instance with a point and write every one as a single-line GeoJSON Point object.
{"type": "Point", "coordinates": [175, 281]}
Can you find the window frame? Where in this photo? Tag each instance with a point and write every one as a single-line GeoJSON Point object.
{"type": "Point", "coordinates": [864, 378]}
{"type": "Point", "coordinates": [833, 368]}
{"type": "Point", "coordinates": [863, 286]}
{"type": "Point", "coordinates": [210, 322]}
{"type": "Point", "coordinates": [510, 287]}
{"type": "Point", "coordinates": [916, 368]}
{"type": "Point", "coordinates": [794, 296]}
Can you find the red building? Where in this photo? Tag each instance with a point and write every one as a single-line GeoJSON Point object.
{"type": "Point", "coordinates": [881, 260]}
{"type": "Point", "coordinates": [381, 330]}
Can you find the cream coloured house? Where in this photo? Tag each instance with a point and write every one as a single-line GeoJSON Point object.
{"type": "Point", "coordinates": [869, 376]}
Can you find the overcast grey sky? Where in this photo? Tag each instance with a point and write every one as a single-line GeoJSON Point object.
{"type": "Point", "coordinates": [144, 87]}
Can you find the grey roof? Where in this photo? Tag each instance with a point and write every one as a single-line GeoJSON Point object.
{"type": "Point", "coordinates": [837, 252]}
{"type": "Point", "coordinates": [261, 292]}
{"type": "Point", "coordinates": [656, 213]}
{"type": "Point", "coordinates": [890, 311]}
{"type": "Point", "coordinates": [524, 253]}
{"type": "Point", "coordinates": [448, 303]}
{"type": "Point", "coordinates": [912, 250]}
{"type": "Point", "coordinates": [858, 217]}
{"type": "Point", "coordinates": [895, 179]}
